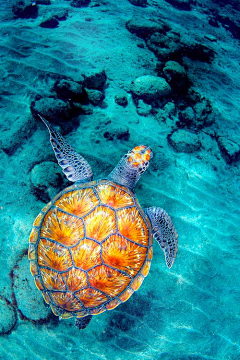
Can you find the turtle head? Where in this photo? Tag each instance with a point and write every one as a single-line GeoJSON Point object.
{"type": "Point", "coordinates": [130, 168]}
{"type": "Point", "coordinates": [138, 158]}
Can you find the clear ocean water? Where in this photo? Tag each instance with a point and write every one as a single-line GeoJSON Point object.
{"type": "Point", "coordinates": [109, 76]}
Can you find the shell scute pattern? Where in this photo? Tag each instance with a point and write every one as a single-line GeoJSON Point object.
{"type": "Point", "coordinates": [90, 249]}
{"type": "Point", "coordinates": [100, 223]}
{"type": "Point", "coordinates": [63, 228]}
{"type": "Point", "coordinates": [75, 279]}
{"type": "Point", "coordinates": [87, 254]}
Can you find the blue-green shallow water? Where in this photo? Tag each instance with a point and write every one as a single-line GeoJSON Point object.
{"type": "Point", "coordinates": [190, 312]}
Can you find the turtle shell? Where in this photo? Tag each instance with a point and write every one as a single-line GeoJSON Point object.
{"type": "Point", "coordinates": [90, 248]}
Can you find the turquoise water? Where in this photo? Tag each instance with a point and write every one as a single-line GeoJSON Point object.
{"type": "Point", "coordinates": [190, 118]}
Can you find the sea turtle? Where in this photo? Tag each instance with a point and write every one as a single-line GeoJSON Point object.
{"type": "Point", "coordinates": [91, 246]}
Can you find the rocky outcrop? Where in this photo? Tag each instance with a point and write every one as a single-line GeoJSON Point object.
{"type": "Point", "coordinates": [149, 87]}
{"type": "Point", "coordinates": [184, 141]}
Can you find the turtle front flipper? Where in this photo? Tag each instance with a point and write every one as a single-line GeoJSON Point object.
{"type": "Point", "coordinates": [164, 232]}
{"type": "Point", "coordinates": [74, 166]}
{"type": "Point", "coordinates": [82, 323]}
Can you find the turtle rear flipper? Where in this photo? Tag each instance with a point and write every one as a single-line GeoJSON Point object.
{"type": "Point", "coordinates": [164, 232]}
{"type": "Point", "coordinates": [82, 323]}
{"type": "Point", "coordinates": [74, 166]}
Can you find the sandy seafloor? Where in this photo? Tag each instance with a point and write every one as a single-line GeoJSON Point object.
{"type": "Point", "coordinates": [190, 312]}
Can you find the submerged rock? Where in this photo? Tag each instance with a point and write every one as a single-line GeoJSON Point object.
{"type": "Point", "coordinates": [181, 4]}
{"type": "Point", "coordinates": [199, 52]}
{"type": "Point", "coordinates": [168, 46]}
{"type": "Point", "coordinates": [187, 117]}
{"type": "Point", "coordinates": [50, 23]}
{"type": "Point", "coordinates": [43, 2]}
{"type": "Point", "coordinates": [142, 3]}
{"type": "Point", "coordinates": [204, 113]}
{"type": "Point", "coordinates": [184, 141]}
{"type": "Point", "coordinates": [53, 21]}
{"type": "Point", "coordinates": [80, 3]}
{"type": "Point", "coordinates": [52, 109]}
{"type": "Point", "coordinates": [25, 10]}
{"type": "Point", "coordinates": [143, 108]}
{"type": "Point", "coordinates": [95, 96]}
{"type": "Point", "coordinates": [229, 20]}
{"type": "Point", "coordinates": [166, 114]}
{"type": "Point", "coordinates": [69, 89]}
{"type": "Point", "coordinates": [145, 27]}
{"type": "Point", "coordinates": [165, 46]}
{"type": "Point", "coordinates": [195, 111]}
{"type": "Point", "coordinates": [121, 99]}
{"type": "Point", "coordinates": [28, 298]}
{"type": "Point", "coordinates": [149, 87]}
{"type": "Point", "coordinates": [117, 133]}
{"type": "Point", "coordinates": [176, 76]}
{"type": "Point", "coordinates": [95, 79]}
{"type": "Point", "coordinates": [8, 316]}
{"type": "Point", "coordinates": [15, 132]}
{"type": "Point", "coordinates": [46, 179]}
{"type": "Point", "coordinates": [61, 15]}
{"type": "Point", "coordinates": [230, 150]}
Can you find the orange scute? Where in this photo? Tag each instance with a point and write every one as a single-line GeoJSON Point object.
{"type": "Point", "coordinates": [100, 223]}
{"type": "Point", "coordinates": [66, 315]}
{"type": "Point", "coordinates": [124, 255]}
{"type": "Point", "coordinates": [113, 304]}
{"type": "Point", "coordinates": [137, 282]}
{"type": "Point", "coordinates": [75, 279]}
{"type": "Point", "coordinates": [132, 225]}
{"type": "Point", "coordinates": [38, 219]}
{"type": "Point", "coordinates": [113, 196]}
{"type": "Point", "coordinates": [81, 313]}
{"type": "Point", "coordinates": [63, 228]}
{"type": "Point", "coordinates": [33, 268]}
{"type": "Point", "coordinates": [146, 268]}
{"type": "Point", "coordinates": [150, 253]}
{"type": "Point", "coordinates": [31, 252]}
{"type": "Point", "coordinates": [91, 297]}
{"type": "Point", "coordinates": [98, 310]}
{"type": "Point", "coordinates": [78, 202]}
{"type": "Point", "coordinates": [46, 207]}
{"type": "Point", "coordinates": [86, 254]}
{"type": "Point", "coordinates": [53, 255]}
{"type": "Point", "coordinates": [126, 294]}
{"type": "Point", "coordinates": [110, 281]}
{"type": "Point", "coordinates": [66, 301]}
{"type": "Point", "coordinates": [33, 236]}
{"type": "Point", "coordinates": [46, 297]}
{"type": "Point", "coordinates": [56, 310]}
{"type": "Point", "coordinates": [52, 280]}
{"type": "Point", "coordinates": [38, 283]}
